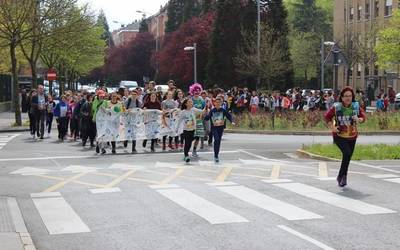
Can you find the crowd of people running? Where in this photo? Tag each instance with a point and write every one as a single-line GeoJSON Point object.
{"type": "Point", "coordinates": [203, 114]}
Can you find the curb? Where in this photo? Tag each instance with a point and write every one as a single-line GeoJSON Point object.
{"type": "Point", "coordinates": [310, 133]}
{"type": "Point", "coordinates": [19, 224]}
{"type": "Point", "coordinates": [305, 154]}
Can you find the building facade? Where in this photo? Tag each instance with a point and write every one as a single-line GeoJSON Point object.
{"type": "Point", "coordinates": [125, 35]}
{"type": "Point", "coordinates": [356, 23]}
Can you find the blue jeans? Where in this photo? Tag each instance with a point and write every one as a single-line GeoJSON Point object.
{"type": "Point", "coordinates": [217, 134]}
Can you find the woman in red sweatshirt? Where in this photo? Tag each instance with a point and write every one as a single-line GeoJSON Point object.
{"type": "Point", "coordinates": [343, 119]}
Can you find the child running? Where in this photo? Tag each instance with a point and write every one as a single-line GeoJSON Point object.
{"type": "Point", "coordinates": [217, 118]}
{"type": "Point", "coordinates": [188, 118]}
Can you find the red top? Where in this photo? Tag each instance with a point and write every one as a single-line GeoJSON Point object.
{"type": "Point", "coordinates": [343, 119]}
{"type": "Point", "coordinates": [152, 105]}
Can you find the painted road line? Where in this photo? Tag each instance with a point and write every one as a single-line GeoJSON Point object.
{"type": "Point", "coordinates": [396, 180]}
{"type": "Point", "coordinates": [207, 210]}
{"type": "Point", "coordinates": [323, 170]}
{"type": "Point", "coordinates": [276, 181]}
{"type": "Point", "coordinates": [31, 171]}
{"type": "Point", "coordinates": [105, 190]}
{"type": "Point", "coordinates": [383, 176]}
{"type": "Point", "coordinates": [63, 183]}
{"type": "Point", "coordinates": [224, 174]}
{"type": "Point", "coordinates": [270, 204]}
{"type": "Point", "coordinates": [305, 237]}
{"type": "Point", "coordinates": [45, 195]}
{"type": "Point", "coordinates": [262, 157]}
{"type": "Point", "coordinates": [275, 172]}
{"type": "Point", "coordinates": [164, 186]}
{"type": "Point", "coordinates": [48, 158]}
{"type": "Point", "coordinates": [216, 184]}
{"type": "Point", "coordinates": [79, 169]}
{"type": "Point", "coordinates": [172, 177]}
{"type": "Point", "coordinates": [143, 180]}
{"type": "Point", "coordinates": [75, 181]}
{"type": "Point", "coordinates": [120, 178]}
{"type": "Point", "coordinates": [375, 167]}
{"type": "Point", "coordinates": [334, 199]}
{"type": "Point", "coordinates": [327, 178]}
{"type": "Point", "coordinates": [59, 217]}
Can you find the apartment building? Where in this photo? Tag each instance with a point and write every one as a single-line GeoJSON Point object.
{"type": "Point", "coordinates": [356, 23]}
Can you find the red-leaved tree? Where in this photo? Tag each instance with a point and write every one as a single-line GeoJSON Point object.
{"type": "Point", "coordinates": [174, 62]}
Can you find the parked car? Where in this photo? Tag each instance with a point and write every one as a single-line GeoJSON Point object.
{"type": "Point", "coordinates": [130, 85]}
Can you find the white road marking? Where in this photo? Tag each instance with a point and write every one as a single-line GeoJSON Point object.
{"type": "Point", "coordinates": [45, 195]}
{"type": "Point", "coordinates": [59, 217]}
{"type": "Point", "coordinates": [396, 180]}
{"type": "Point", "coordinates": [305, 237]}
{"type": "Point", "coordinates": [207, 210]}
{"type": "Point", "coordinates": [262, 157]}
{"type": "Point", "coordinates": [334, 199]}
{"type": "Point", "coordinates": [79, 169]}
{"type": "Point", "coordinates": [226, 183]}
{"type": "Point", "coordinates": [270, 204]}
{"type": "Point", "coordinates": [31, 171]}
{"type": "Point", "coordinates": [383, 176]}
{"type": "Point", "coordinates": [164, 186]}
{"type": "Point", "coordinates": [105, 190]}
{"type": "Point", "coordinates": [125, 166]}
{"type": "Point", "coordinates": [375, 167]}
{"type": "Point", "coordinates": [327, 178]}
{"type": "Point", "coordinates": [48, 158]}
{"type": "Point", "coordinates": [276, 180]}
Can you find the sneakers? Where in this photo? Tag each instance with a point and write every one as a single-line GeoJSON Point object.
{"type": "Point", "coordinates": [97, 149]}
{"type": "Point", "coordinates": [342, 180]}
{"type": "Point", "coordinates": [194, 154]}
{"type": "Point", "coordinates": [152, 150]}
{"type": "Point", "coordinates": [103, 151]}
{"type": "Point", "coordinates": [186, 159]}
{"type": "Point", "coordinates": [134, 151]}
{"type": "Point", "coordinates": [113, 151]}
{"type": "Point", "coordinates": [216, 160]}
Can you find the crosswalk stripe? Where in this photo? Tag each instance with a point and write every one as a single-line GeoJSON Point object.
{"type": "Point", "coordinates": [207, 210]}
{"type": "Point", "coordinates": [383, 176]}
{"type": "Point", "coordinates": [270, 204]}
{"type": "Point", "coordinates": [305, 237]}
{"type": "Point", "coordinates": [396, 180]}
{"type": "Point", "coordinates": [323, 170]}
{"type": "Point", "coordinates": [334, 199]}
{"type": "Point", "coordinates": [58, 216]}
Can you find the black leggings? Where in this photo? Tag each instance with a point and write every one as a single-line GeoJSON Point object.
{"type": "Point", "coordinates": [347, 147]}
{"type": "Point", "coordinates": [188, 137]}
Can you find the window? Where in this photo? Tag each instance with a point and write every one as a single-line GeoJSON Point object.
{"type": "Point", "coordinates": [367, 10]}
{"type": "Point", "coordinates": [388, 7]}
{"type": "Point", "coordinates": [359, 69]}
{"type": "Point", "coordinates": [351, 13]}
{"type": "Point", "coordinates": [366, 71]}
{"type": "Point", "coordinates": [376, 8]}
{"type": "Point", "coordinates": [359, 10]}
{"type": "Point", "coordinates": [376, 70]}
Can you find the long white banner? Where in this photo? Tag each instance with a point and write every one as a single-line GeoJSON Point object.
{"type": "Point", "coordinates": [136, 124]}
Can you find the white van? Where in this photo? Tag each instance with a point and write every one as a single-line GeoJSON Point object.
{"type": "Point", "coordinates": [130, 85]}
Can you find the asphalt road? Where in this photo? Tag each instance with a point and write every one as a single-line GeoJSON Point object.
{"type": "Point", "coordinates": [259, 197]}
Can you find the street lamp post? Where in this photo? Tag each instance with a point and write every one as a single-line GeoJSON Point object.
{"type": "Point", "coordinates": [323, 43]}
{"type": "Point", "coordinates": [194, 48]}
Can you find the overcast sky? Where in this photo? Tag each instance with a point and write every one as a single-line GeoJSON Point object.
{"type": "Point", "coordinates": [124, 11]}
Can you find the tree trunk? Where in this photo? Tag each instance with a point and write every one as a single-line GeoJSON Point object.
{"type": "Point", "coordinates": [34, 74]}
{"type": "Point", "coordinates": [17, 107]}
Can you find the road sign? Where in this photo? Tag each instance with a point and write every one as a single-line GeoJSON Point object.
{"type": "Point", "coordinates": [51, 75]}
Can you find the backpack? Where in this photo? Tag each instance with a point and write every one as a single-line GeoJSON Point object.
{"type": "Point", "coordinates": [130, 101]}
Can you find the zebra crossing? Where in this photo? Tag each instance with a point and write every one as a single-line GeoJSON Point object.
{"type": "Point", "coordinates": [59, 217]}
{"type": "Point", "coordinates": [6, 138]}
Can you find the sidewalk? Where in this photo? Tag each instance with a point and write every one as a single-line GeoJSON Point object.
{"type": "Point", "coordinates": [13, 232]}
{"type": "Point", "coordinates": [8, 118]}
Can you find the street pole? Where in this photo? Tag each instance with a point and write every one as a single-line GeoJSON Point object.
{"type": "Point", "coordinates": [322, 63]}
{"type": "Point", "coordinates": [258, 41]}
{"type": "Point", "coordinates": [195, 62]}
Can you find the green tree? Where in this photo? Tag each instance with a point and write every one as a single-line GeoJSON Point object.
{"type": "Point", "coordinates": [207, 6]}
{"type": "Point", "coordinates": [14, 16]}
{"type": "Point", "coordinates": [304, 54]}
{"type": "Point", "coordinates": [181, 11]}
{"type": "Point", "coordinates": [225, 39]}
{"type": "Point", "coordinates": [388, 46]}
{"type": "Point", "coordinates": [272, 50]}
{"type": "Point", "coordinates": [106, 35]}
{"type": "Point", "coordinates": [276, 18]}
{"type": "Point", "coordinates": [144, 27]}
